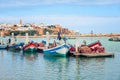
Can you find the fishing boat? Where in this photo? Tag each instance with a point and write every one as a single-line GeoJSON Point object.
{"type": "Point", "coordinates": [95, 44]}
{"type": "Point", "coordinates": [30, 47]}
{"type": "Point", "coordinates": [95, 47]}
{"type": "Point", "coordinates": [13, 45]}
{"type": "Point", "coordinates": [41, 46]}
{"type": "Point", "coordinates": [17, 46]}
{"type": "Point", "coordinates": [2, 46]}
{"type": "Point", "coordinates": [60, 50]}
{"type": "Point", "coordinates": [40, 49]}
{"type": "Point", "coordinates": [117, 39]}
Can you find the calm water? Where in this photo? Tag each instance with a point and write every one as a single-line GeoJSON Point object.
{"type": "Point", "coordinates": [19, 66]}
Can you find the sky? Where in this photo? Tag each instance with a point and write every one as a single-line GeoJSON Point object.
{"type": "Point", "coordinates": [100, 16]}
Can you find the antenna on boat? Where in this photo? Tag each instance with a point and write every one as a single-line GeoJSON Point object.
{"type": "Point", "coordinates": [77, 41]}
{"type": "Point", "coordinates": [47, 39]}
{"type": "Point", "coordinates": [27, 38]}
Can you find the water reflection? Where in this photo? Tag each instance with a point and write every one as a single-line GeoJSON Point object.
{"type": "Point", "coordinates": [77, 67]}
{"type": "Point", "coordinates": [30, 56]}
{"type": "Point", "coordinates": [80, 68]}
{"type": "Point", "coordinates": [1, 54]}
{"type": "Point", "coordinates": [57, 67]}
{"type": "Point", "coordinates": [35, 66]}
{"type": "Point", "coordinates": [91, 67]}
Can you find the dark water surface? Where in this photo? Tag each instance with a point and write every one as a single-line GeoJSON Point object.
{"type": "Point", "coordinates": [19, 66]}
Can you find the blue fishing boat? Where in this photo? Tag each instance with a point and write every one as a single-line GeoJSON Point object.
{"type": "Point", "coordinates": [17, 46]}
{"type": "Point", "coordinates": [60, 50]}
{"type": "Point", "coordinates": [3, 46]}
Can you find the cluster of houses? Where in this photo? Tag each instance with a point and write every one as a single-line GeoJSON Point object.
{"type": "Point", "coordinates": [39, 28]}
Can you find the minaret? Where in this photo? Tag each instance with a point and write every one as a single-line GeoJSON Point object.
{"type": "Point", "coordinates": [20, 22]}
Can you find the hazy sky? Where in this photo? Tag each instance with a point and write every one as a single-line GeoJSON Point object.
{"type": "Point", "coordinates": [101, 16]}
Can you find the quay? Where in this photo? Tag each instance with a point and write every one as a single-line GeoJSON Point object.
{"type": "Point", "coordinates": [93, 55]}
{"type": "Point", "coordinates": [44, 36]}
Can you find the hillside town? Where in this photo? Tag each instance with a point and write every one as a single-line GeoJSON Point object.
{"type": "Point", "coordinates": [20, 29]}
{"type": "Point", "coordinates": [37, 30]}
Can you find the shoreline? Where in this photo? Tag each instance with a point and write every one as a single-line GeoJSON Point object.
{"type": "Point", "coordinates": [72, 36]}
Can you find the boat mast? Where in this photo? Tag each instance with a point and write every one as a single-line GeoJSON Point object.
{"type": "Point", "coordinates": [27, 38]}
{"type": "Point", "coordinates": [77, 41]}
{"type": "Point", "coordinates": [13, 39]}
{"type": "Point", "coordinates": [47, 39]}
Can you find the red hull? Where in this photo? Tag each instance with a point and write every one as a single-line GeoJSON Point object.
{"type": "Point", "coordinates": [30, 45]}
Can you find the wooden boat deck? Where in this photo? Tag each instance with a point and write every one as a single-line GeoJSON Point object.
{"type": "Point", "coordinates": [106, 54]}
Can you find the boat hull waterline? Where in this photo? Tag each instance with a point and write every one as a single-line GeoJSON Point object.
{"type": "Point", "coordinates": [61, 50]}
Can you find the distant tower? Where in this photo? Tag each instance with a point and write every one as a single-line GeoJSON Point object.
{"type": "Point", "coordinates": [21, 22]}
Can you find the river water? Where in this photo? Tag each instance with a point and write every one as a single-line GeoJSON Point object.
{"type": "Point", "coordinates": [19, 66]}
